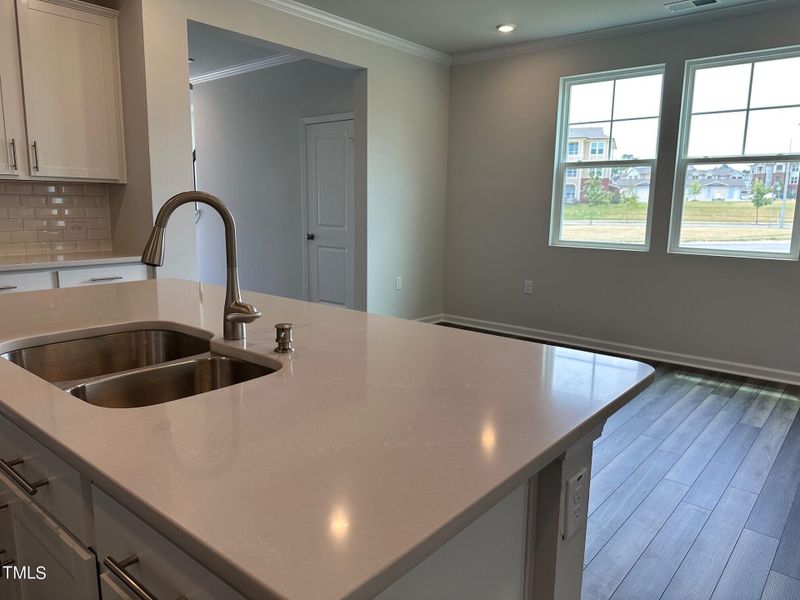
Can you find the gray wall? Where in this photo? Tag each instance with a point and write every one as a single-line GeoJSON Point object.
{"type": "Point", "coordinates": [502, 137]}
{"type": "Point", "coordinates": [248, 140]}
{"type": "Point", "coordinates": [401, 177]}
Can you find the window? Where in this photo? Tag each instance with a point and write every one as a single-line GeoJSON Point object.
{"type": "Point", "coordinates": [739, 143]}
{"type": "Point", "coordinates": [614, 117]}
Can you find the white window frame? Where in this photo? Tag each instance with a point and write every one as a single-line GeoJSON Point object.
{"type": "Point", "coordinates": [561, 165]}
{"type": "Point", "coordinates": [683, 161]}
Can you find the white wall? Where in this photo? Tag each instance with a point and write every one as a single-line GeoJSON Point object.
{"type": "Point", "coordinates": [404, 160]}
{"type": "Point", "coordinates": [502, 139]}
{"type": "Point", "coordinates": [248, 143]}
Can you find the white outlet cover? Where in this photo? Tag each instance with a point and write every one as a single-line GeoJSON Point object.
{"type": "Point", "coordinates": [576, 502]}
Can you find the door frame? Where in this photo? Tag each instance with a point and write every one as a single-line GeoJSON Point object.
{"type": "Point", "coordinates": [304, 123]}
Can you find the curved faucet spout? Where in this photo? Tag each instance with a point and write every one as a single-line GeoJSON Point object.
{"type": "Point", "coordinates": [237, 313]}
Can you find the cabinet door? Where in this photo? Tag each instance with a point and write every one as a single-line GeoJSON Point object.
{"type": "Point", "coordinates": [9, 589]}
{"type": "Point", "coordinates": [70, 75]}
{"type": "Point", "coordinates": [12, 124]}
{"type": "Point", "coordinates": [40, 542]}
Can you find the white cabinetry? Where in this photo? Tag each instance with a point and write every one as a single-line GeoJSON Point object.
{"type": "Point", "coordinates": [12, 118]}
{"type": "Point", "coordinates": [22, 281]}
{"type": "Point", "coordinates": [68, 58]}
{"type": "Point", "coordinates": [41, 497]}
{"type": "Point", "coordinates": [55, 564]}
{"type": "Point", "coordinates": [155, 563]}
{"type": "Point", "coordinates": [26, 282]}
{"type": "Point", "coordinates": [100, 275]}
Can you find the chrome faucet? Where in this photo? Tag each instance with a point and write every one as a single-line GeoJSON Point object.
{"type": "Point", "coordinates": [237, 313]}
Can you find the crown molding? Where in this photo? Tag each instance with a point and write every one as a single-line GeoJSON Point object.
{"type": "Point", "coordinates": [86, 7]}
{"type": "Point", "coordinates": [247, 67]}
{"type": "Point", "coordinates": [705, 16]}
{"type": "Point", "coordinates": [357, 29]}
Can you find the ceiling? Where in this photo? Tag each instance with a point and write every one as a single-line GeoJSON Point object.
{"type": "Point", "coordinates": [456, 26]}
{"type": "Point", "coordinates": [213, 49]}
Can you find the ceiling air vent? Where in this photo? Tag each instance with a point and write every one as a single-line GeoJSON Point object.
{"type": "Point", "coordinates": [686, 5]}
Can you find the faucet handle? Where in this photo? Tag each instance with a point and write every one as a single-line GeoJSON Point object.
{"type": "Point", "coordinates": [283, 337]}
{"type": "Point", "coordinates": [241, 312]}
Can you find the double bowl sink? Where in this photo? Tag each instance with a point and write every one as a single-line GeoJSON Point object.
{"type": "Point", "coordinates": [135, 368]}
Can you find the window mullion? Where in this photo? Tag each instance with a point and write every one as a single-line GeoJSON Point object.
{"type": "Point", "coordinates": [747, 110]}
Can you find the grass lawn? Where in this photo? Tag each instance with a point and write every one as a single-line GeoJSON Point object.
{"type": "Point", "coordinates": [696, 211]}
{"type": "Point", "coordinates": [633, 233]}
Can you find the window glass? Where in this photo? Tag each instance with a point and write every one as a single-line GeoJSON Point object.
{"type": "Point", "coordinates": [613, 119]}
{"type": "Point", "coordinates": [740, 141]}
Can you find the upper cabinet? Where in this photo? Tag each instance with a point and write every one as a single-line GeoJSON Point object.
{"type": "Point", "coordinates": [69, 60]}
{"type": "Point", "coordinates": [12, 117]}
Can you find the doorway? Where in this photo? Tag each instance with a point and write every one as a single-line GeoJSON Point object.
{"type": "Point", "coordinates": [328, 180]}
{"type": "Point", "coordinates": [248, 99]}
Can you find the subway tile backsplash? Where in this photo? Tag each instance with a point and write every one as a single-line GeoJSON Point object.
{"type": "Point", "coordinates": [53, 218]}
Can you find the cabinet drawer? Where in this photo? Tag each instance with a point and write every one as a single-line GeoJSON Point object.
{"type": "Point", "coordinates": [101, 275]}
{"type": "Point", "coordinates": [21, 282]}
{"type": "Point", "coordinates": [57, 565]}
{"type": "Point", "coordinates": [161, 567]}
{"type": "Point", "coordinates": [63, 496]}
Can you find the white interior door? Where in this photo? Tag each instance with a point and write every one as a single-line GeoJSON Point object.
{"type": "Point", "coordinates": [330, 212]}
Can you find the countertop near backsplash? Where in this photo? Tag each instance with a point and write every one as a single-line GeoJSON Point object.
{"type": "Point", "coordinates": [53, 221]}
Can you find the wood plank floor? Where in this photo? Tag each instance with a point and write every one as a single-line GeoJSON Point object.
{"type": "Point", "coordinates": [695, 492]}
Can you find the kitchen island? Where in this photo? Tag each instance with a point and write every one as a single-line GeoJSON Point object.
{"type": "Point", "coordinates": [383, 458]}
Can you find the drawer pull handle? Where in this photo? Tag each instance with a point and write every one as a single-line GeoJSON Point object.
{"type": "Point", "coordinates": [35, 156]}
{"type": "Point", "coordinates": [14, 165]}
{"type": "Point", "coordinates": [118, 569]}
{"type": "Point", "coordinates": [7, 466]}
{"type": "Point", "coordinates": [6, 288]}
{"type": "Point", "coordinates": [109, 278]}
{"type": "Point", "coordinates": [6, 563]}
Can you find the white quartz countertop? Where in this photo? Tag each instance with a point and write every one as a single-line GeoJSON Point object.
{"type": "Point", "coordinates": [61, 261]}
{"type": "Point", "coordinates": [377, 441]}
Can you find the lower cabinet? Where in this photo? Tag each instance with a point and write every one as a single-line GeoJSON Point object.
{"type": "Point", "coordinates": [131, 553]}
{"type": "Point", "coordinates": [24, 281]}
{"type": "Point", "coordinates": [48, 562]}
{"type": "Point", "coordinates": [58, 532]}
{"type": "Point", "coordinates": [8, 588]}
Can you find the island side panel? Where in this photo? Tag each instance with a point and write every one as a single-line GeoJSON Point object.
{"type": "Point", "coordinates": [486, 560]}
{"type": "Point", "coordinates": [556, 567]}
{"type": "Point", "coordinates": [514, 551]}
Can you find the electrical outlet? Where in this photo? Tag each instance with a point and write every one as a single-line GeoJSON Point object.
{"type": "Point", "coordinates": [576, 499]}
{"type": "Point", "coordinates": [398, 283]}
{"type": "Point", "coordinates": [528, 287]}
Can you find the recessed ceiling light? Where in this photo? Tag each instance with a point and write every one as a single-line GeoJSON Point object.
{"type": "Point", "coordinates": [506, 27]}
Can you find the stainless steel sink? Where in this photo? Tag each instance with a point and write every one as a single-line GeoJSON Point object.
{"type": "Point", "coordinates": [104, 354]}
{"type": "Point", "coordinates": [164, 383]}
{"type": "Point", "coordinates": [135, 368]}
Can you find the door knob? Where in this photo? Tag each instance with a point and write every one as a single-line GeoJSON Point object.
{"type": "Point", "coordinates": [310, 236]}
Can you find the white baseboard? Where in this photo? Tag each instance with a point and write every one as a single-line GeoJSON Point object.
{"type": "Point", "coordinates": [688, 360]}
{"type": "Point", "coordinates": [432, 318]}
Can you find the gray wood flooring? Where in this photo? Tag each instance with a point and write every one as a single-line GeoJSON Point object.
{"type": "Point", "coordinates": [695, 492]}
